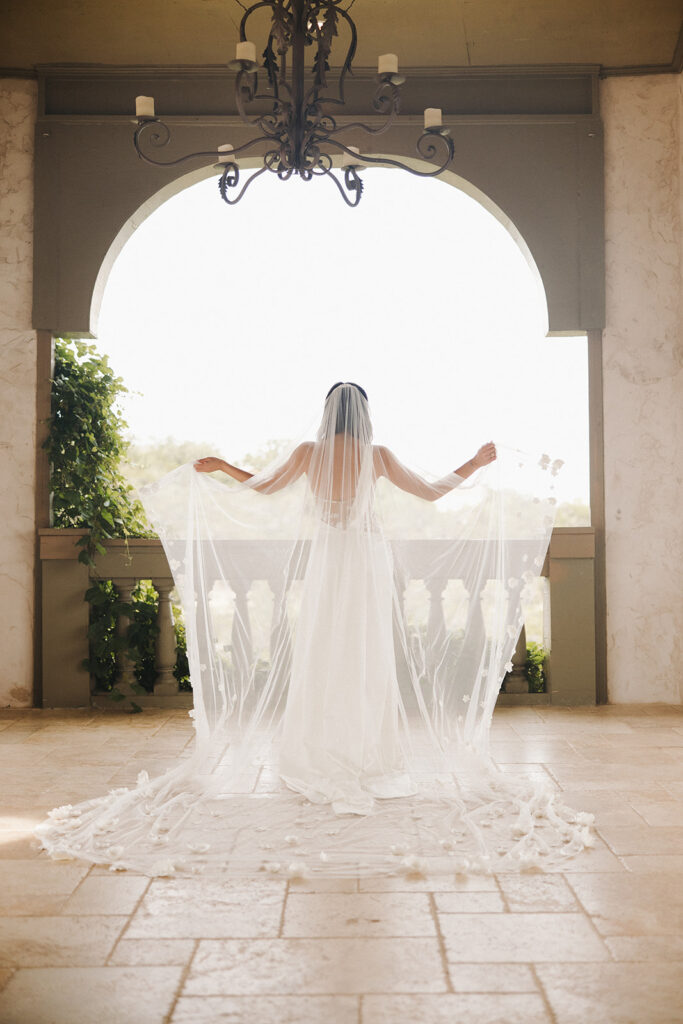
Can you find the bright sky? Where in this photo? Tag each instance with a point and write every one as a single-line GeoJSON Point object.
{"type": "Point", "coordinates": [233, 322]}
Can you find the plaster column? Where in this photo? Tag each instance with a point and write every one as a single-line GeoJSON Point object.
{"type": "Point", "coordinates": [17, 391]}
{"type": "Point", "coordinates": [643, 386]}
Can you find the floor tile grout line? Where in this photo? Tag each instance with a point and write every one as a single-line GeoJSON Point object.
{"type": "Point", "coordinates": [129, 918]}
{"type": "Point", "coordinates": [281, 924]}
{"type": "Point", "coordinates": [543, 994]}
{"type": "Point", "coordinates": [181, 982]}
{"type": "Point", "coordinates": [579, 901]}
{"type": "Point", "coordinates": [11, 972]}
{"type": "Point", "coordinates": [502, 894]}
{"type": "Point", "coordinates": [441, 943]}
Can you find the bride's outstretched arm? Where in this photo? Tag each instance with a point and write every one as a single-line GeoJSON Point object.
{"type": "Point", "coordinates": [386, 464]}
{"type": "Point", "coordinates": [487, 453]}
{"type": "Point", "coordinates": [211, 464]}
{"type": "Point", "coordinates": [285, 474]}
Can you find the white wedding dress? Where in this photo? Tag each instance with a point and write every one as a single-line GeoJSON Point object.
{"type": "Point", "coordinates": [340, 737]}
{"type": "Point", "coordinates": [350, 736]}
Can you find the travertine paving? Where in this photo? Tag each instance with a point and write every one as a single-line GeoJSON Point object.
{"type": "Point", "coordinates": [601, 940]}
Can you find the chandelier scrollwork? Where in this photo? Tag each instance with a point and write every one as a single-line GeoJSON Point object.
{"type": "Point", "coordinates": [298, 132]}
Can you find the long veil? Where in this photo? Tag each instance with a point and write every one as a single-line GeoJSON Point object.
{"type": "Point", "coordinates": [349, 624]}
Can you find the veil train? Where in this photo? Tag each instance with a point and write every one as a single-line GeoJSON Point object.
{"type": "Point", "coordinates": [349, 624]}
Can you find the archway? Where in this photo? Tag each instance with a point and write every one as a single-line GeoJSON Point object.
{"type": "Point", "coordinates": [426, 290]}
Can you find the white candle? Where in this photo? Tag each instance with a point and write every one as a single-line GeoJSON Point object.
{"type": "Point", "coordinates": [432, 117]}
{"type": "Point", "coordinates": [226, 148]}
{"type": "Point", "coordinates": [144, 106]}
{"type": "Point", "coordinates": [348, 160]}
{"type": "Point", "coordinates": [246, 51]}
{"type": "Point", "coordinates": [388, 64]}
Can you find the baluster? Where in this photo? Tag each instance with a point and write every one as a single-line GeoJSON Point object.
{"type": "Point", "coordinates": [470, 657]}
{"type": "Point", "coordinates": [516, 681]}
{"type": "Point", "coordinates": [125, 665]}
{"type": "Point", "coordinates": [166, 684]}
{"type": "Point", "coordinates": [436, 624]}
{"type": "Point", "coordinates": [280, 634]}
{"type": "Point", "coordinates": [402, 640]}
{"type": "Point", "coordinates": [241, 632]}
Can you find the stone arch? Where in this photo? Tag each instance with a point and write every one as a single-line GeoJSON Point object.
{"type": "Point", "coordinates": [179, 184]}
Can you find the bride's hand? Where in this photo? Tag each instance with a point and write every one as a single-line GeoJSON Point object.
{"type": "Point", "coordinates": [487, 453]}
{"type": "Point", "coordinates": [208, 465]}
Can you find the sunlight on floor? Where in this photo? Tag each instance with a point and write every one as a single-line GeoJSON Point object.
{"type": "Point", "coordinates": [600, 940]}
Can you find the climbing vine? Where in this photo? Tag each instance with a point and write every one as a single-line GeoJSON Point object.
{"type": "Point", "coordinates": [86, 445]}
{"type": "Point", "coordinates": [536, 657]}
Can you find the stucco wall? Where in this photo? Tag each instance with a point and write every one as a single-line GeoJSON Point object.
{"type": "Point", "coordinates": [643, 386]}
{"type": "Point", "coordinates": [17, 391]}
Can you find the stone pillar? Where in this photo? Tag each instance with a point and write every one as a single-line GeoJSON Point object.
{"type": "Point", "coordinates": [166, 684]}
{"type": "Point", "coordinates": [17, 392]}
{"type": "Point", "coordinates": [643, 385]}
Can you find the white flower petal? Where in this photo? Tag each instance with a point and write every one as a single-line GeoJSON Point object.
{"type": "Point", "coordinates": [297, 869]}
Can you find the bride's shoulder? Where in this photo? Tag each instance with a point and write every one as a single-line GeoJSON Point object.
{"type": "Point", "coordinates": [380, 456]}
{"type": "Point", "coordinates": [302, 453]}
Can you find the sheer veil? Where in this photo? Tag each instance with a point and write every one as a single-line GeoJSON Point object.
{"type": "Point", "coordinates": [349, 624]}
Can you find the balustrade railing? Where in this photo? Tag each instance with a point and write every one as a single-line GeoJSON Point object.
{"type": "Point", "coordinates": [65, 615]}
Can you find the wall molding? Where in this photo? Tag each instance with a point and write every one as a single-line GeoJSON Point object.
{"type": "Point", "coordinates": [674, 67]}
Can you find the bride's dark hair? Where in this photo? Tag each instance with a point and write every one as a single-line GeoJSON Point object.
{"type": "Point", "coordinates": [349, 383]}
{"type": "Point", "coordinates": [346, 419]}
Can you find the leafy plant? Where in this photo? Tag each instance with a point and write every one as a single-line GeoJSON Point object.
{"type": "Point", "coordinates": [142, 633]}
{"type": "Point", "coordinates": [535, 667]}
{"type": "Point", "coordinates": [182, 666]}
{"type": "Point", "coordinates": [86, 444]}
{"type": "Point", "coordinates": [138, 643]}
{"type": "Point", "coordinates": [103, 643]}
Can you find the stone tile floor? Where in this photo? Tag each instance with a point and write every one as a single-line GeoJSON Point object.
{"type": "Point", "coordinates": [600, 941]}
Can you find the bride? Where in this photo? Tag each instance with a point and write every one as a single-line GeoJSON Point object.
{"type": "Point", "coordinates": [340, 732]}
{"type": "Point", "coordinates": [343, 730]}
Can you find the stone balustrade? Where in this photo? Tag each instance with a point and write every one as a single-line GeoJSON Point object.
{"type": "Point", "coordinates": [65, 614]}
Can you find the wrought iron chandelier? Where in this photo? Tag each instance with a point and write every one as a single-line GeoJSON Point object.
{"type": "Point", "coordinates": [297, 130]}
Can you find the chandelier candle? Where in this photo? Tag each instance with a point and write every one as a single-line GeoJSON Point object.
{"type": "Point", "coordinates": [387, 64]}
{"type": "Point", "coordinates": [144, 106]}
{"type": "Point", "coordinates": [433, 117]}
{"type": "Point", "coordinates": [225, 153]}
{"type": "Point", "coordinates": [246, 51]}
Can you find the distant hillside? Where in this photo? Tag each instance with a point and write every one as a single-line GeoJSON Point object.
{"type": "Point", "coordinates": [145, 463]}
{"type": "Point", "coordinates": [148, 462]}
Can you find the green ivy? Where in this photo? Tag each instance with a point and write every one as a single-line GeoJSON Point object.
{"type": "Point", "coordinates": [536, 657]}
{"type": "Point", "coordinates": [142, 633]}
{"type": "Point", "coordinates": [182, 665]}
{"type": "Point", "coordinates": [104, 644]}
{"type": "Point", "coordinates": [139, 642]}
{"type": "Point", "coordinates": [86, 444]}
